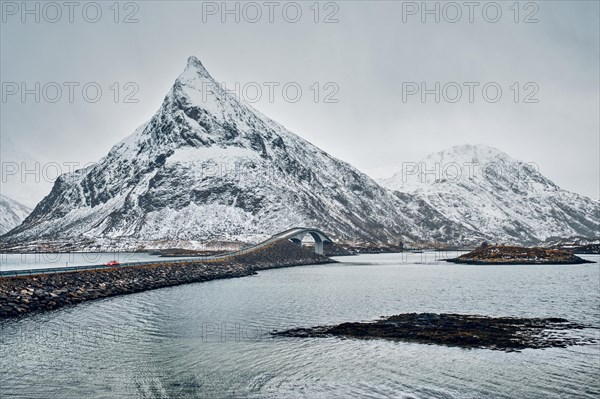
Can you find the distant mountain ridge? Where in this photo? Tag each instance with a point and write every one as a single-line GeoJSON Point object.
{"type": "Point", "coordinates": [12, 213]}
{"type": "Point", "coordinates": [23, 177]}
{"type": "Point", "coordinates": [486, 190]}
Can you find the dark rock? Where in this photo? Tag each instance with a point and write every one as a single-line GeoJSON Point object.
{"type": "Point", "coordinates": [468, 331]}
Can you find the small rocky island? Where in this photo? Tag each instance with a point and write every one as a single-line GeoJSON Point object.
{"type": "Point", "coordinates": [467, 331]}
{"type": "Point", "coordinates": [508, 255]}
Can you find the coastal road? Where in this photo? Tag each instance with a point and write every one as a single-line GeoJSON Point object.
{"type": "Point", "coordinates": [284, 235]}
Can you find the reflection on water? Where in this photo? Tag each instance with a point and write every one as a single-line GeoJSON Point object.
{"type": "Point", "coordinates": [212, 339]}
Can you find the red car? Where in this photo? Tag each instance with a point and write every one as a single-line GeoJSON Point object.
{"type": "Point", "coordinates": [112, 263]}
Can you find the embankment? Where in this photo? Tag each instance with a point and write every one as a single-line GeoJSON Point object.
{"type": "Point", "coordinates": [21, 295]}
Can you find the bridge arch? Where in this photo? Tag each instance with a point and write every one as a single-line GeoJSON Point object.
{"type": "Point", "coordinates": [297, 235]}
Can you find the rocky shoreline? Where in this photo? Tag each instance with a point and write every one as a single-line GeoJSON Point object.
{"type": "Point", "coordinates": [512, 255]}
{"type": "Point", "coordinates": [466, 331]}
{"type": "Point", "coordinates": [22, 295]}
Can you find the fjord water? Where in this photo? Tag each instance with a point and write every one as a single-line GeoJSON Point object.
{"type": "Point", "coordinates": [211, 340]}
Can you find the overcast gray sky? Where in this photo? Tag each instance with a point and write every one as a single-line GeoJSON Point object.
{"type": "Point", "coordinates": [364, 61]}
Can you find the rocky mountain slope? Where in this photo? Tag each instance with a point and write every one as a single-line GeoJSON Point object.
{"type": "Point", "coordinates": [207, 166]}
{"type": "Point", "coordinates": [487, 191]}
{"type": "Point", "coordinates": [12, 213]}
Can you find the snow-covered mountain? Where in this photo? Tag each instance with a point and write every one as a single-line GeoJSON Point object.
{"type": "Point", "coordinates": [207, 166]}
{"type": "Point", "coordinates": [487, 191]}
{"type": "Point", "coordinates": [12, 213]}
{"type": "Point", "coordinates": [210, 167]}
